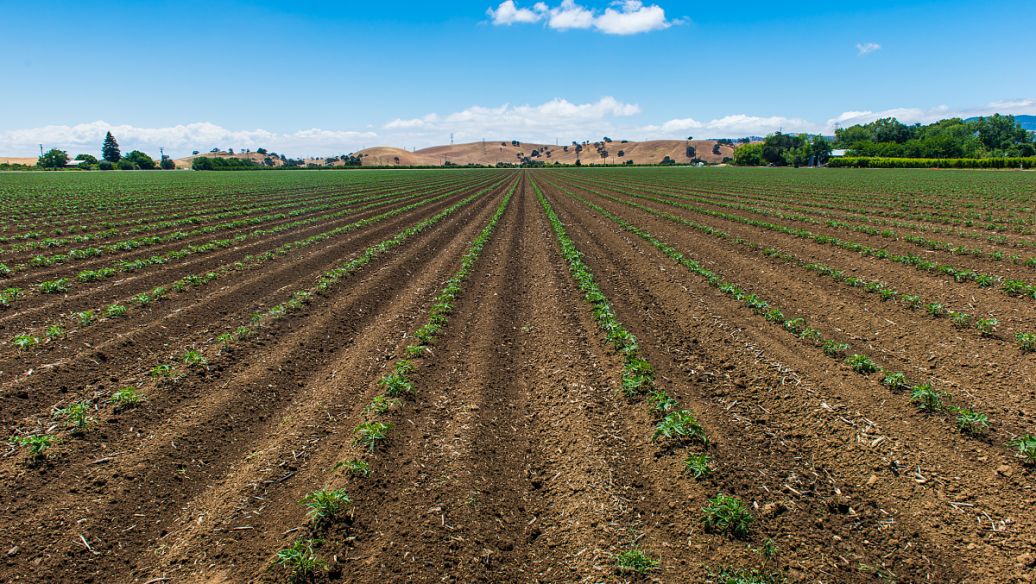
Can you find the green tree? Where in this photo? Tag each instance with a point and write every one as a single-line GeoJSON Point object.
{"type": "Point", "coordinates": [53, 158]}
{"type": "Point", "coordinates": [749, 155]}
{"type": "Point", "coordinates": [110, 149]}
{"type": "Point", "coordinates": [1000, 133]}
{"type": "Point", "coordinates": [139, 160]}
{"type": "Point", "coordinates": [86, 161]}
{"type": "Point", "coordinates": [167, 163]}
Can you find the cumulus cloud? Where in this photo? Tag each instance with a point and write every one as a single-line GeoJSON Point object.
{"type": "Point", "coordinates": [508, 13]}
{"type": "Point", "coordinates": [625, 17]}
{"type": "Point", "coordinates": [544, 122]}
{"type": "Point", "coordinates": [867, 48]}
{"type": "Point", "coordinates": [178, 140]}
{"type": "Point", "coordinates": [732, 126]}
{"type": "Point", "coordinates": [927, 116]}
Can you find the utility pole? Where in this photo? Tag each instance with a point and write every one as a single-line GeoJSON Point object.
{"type": "Point", "coordinates": [451, 138]}
{"type": "Point", "coordinates": [41, 149]}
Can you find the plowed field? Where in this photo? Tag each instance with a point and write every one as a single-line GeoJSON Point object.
{"type": "Point", "coordinates": [578, 375]}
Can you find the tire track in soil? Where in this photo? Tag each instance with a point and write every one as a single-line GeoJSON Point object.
{"type": "Point", "coordinates": [900, 338]}
{"type": "Point", "coordinates": [184, 440]}
{"type": "Point", "coordinates": [133, 345]}
{"type": "Point", "coordinates": [776, 444]}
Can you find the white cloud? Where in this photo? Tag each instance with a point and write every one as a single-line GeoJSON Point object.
{"type": "Point", "coordinates": [632, 18]}
{"type": "Point", "coordinates": [867, 48]}
{"type": "Point", "coordinates": [731, 126]}
{"type": "Point", "coordinates": [927, 116]}
{"type": "Point", "coordinates": [508, 13]}
{"type": "Point", "coordinates": [179, 140]}
{"type": "Point", "coordinates": [543, 122]}
{"type": "Point", "coordinates": [625, 17]}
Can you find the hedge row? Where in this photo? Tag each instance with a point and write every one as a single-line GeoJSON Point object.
{"type": "Point", "coordinates": [875, 162]}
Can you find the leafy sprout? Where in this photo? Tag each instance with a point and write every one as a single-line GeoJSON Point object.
{"type": "Point", "coordinates": [698, 464]}
{"type": "Point", "coordinates": [636, 561]}
{"type": "Point", "coordinates": [325, 504]}
{"type": "Point", "coordinates": [727, 514]}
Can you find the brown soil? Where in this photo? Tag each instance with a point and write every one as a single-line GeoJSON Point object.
{"type": "Point", "coordinates": [518, 459]}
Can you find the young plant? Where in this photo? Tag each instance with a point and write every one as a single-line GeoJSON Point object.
{"type": "Point", "coordinates": [1026, 446]}
{"type": "Point", "coordinates": [927, 399]}
{"type": "Point", "coordinates": [636, 561]}
{"type": "Point", "coordinates": [77, 416]}
{"type": "Point", "coordinates": [125, 398]}
{"type": "Point", "coordinates": [912, 301]}
{"type": "Point", "coordinates": [354, 467]}
{"type": "Point", "coordinates": [744, 576]}
{"type": "Point", "coordinates": [86, 318]}
{"type": "Point", "coordinates": [325, 504]}
{"type": "Point", "coordinates": [300, 559]}
{"type": "Point", "coordinates": [55, 332]}
{"type": "Point", "coordinates": [380, 404]}
{"type": "Point", "coordinates": [370, 434]}
{"type": "Point", "coordinates": [972, 423]}
{"type": "Point", "coordinates": [162, 371]}
{"type": "Point", "coordinates": [795, 326]}
{"type": "Point", "coordinates": [895, 381]}
{"type": "Point", "coordinates": [1027, 342]}
{"type": "Point", "coordinates": [194, 358]}
{"type": "Point", "coordinates": [115, 311]}
{"type": "Point", "coordinates": [775, 316]}
{"type": "Point", "coordinates": [987, 326]}
{"type": "Point", "coordinates": [25, 342]}
{"type": "Point", "coordinates": [935, 309]}
{"type": "Point", "coordinates": [59, 286]}
{"type": "Point", "coordinates": [680, 425]}
{"type": "Point", "coordinates": [637, 376]}
{"type": "Point", "coordinates": [664, 403]}
{"type": "Point", "coordinates": [833, 348]}
{"type": "Point", "coordinates": [143, 299]}
{"type": "Point", "coordinates": [727, 514]}
{"type": "Point", "coordinates": [396, 384]}
{"type": "Point", "coordinates": [698, 464]}
{"type": "Point", "coordinates": [960, 319]}
{"type": "Point", "coordinates": [861, 364]}
{"type": "Point", "coordinates": [38, 444]}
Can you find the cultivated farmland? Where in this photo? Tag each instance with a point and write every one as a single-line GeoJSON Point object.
{"type": "Point", "coordinates": [566, 375]}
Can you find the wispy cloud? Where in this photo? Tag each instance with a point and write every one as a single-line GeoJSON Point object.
{"type": "Point", "coordinates": [625, 17]}
{"type": "Point", "coordinates": [867, 48]}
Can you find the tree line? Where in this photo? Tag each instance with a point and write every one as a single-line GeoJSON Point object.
{"type": "Point", "coordinates": [111, 159]}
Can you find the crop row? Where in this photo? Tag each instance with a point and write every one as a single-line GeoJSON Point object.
{"type": "Point", "coordinates": [324, 505]}
{"type": "Point", "coordinates": [197, 357]}
{"type": "Point", "coordinates": [926, 398]}
{"type": "Point", "coordinates": [985, 326]}
{"type": "Point", "coordinates": [122, 309]}
{"type": "Point", "coordinates": [675, 425]}
{"type": "Point", "coordinates": [1017, 288]}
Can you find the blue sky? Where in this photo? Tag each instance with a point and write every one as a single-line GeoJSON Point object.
{"type": "Point", "coordinates": [323, 77]}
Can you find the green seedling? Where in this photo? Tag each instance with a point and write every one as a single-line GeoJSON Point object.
{"type": "Point", "coordinates": [76, 415]}
{"type": "Point", "coordinates": [370, 434]}
{"type": "Point", "coordinates": [1026, 341]}
{"type": "Point", "coordinates": [742, 576]}
{"type": "Point", "coordinates": [354, 467]}
{"type": "Point", "coordinates": [380, 405]}
{"type": "Point", "coordinates": [115, 311]}
{"type": "Point", "coordinates": [86, 318]}
{"type": "Point", "coordinates": [699, 465]}
{"type": "Point", "coordinates": [680, 425]}
{"type": "Point", "coordinates": [194, 358]}
{"type": "Point", "coordinates": [637, 376]}
{"type": "Point", "coordinates": [927, 399]}
{"type": "Point", "coordinates": [300, 559]}
{"type": "Point", "coordinates": [162, 370]}
{"type": "Point", "coordinates": [987, 326]}
{"type": "Point", "coordinates": [972, 423]}
{"type": "Point", "coordinates": [960, 319]}
{"type": "Point", "coordinates": [895, 381]}
{"type": "Point", "coordinates": [935, 309]}
{"type": "Point", "coordinates": [1026, 446]}
{"type": "Point", "coordinates": [727, 514]}
{"type": "Point", "coordinates": [912, 301]}
{"type": "Point", "coordinates": [25, 342]}
{"type": "Point", "coordinates": [125, 398]}
{"type": "Point", "coordinates": [664, 403]}
{"type": "Point", "coordinates": [861, 364]}
{"type": "Point", "coordinates": [37, 444]}
{"type": "Point", "coordinates": [325, 504]}
{"type": "Point", "coordinates": [835, 349]}
{"type": "Point", "coordinates": [636, 561]}
{"type": "Point", "coordinates": [59, 286]}
{"type": "Point", "coordinates": [55, 332]}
